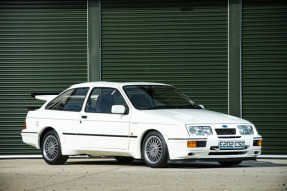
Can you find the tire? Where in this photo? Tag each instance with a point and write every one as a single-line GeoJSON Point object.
{"type": "Point", "coordinates": [154, 150]}
{"type": "Point", "coordinates": [124, 159]}
{"type": "Point", "coordinates": [51, 149]}
{"type": "Point", "coordinates": [230, 164]}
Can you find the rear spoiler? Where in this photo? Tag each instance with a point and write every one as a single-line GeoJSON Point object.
{"type": "Point", "coordinates": [44, 96]}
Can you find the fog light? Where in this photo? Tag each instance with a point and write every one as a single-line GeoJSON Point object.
{"type": "Point", "coordinates": [191, 144]}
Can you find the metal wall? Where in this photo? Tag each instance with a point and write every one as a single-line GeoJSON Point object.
{"type": "Point", "coordinates": [43, 47]}
{"type": "Point", "coordinates": [183, 43]}
{"type": "Point", "coordinates": [264, 75]}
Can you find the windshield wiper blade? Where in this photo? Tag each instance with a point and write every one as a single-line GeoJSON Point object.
{"type": "Point", "coordinates": [190, 106]}
{"type": "Point", "coordinates": [161, 107]}
{"type": "Point", "coordinates": [175, 107]}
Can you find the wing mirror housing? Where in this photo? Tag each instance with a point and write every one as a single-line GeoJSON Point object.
{"type": "Point", "coordinates": [119, 109]}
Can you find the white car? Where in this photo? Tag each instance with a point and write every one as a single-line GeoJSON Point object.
{"type": "Point", "coordinates": [149, 121]}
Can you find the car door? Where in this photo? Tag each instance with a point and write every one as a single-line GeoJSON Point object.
{"type": "Point", "coordinates": [62, 113]}
{"type": "Point", "coordinates": [99, 127]}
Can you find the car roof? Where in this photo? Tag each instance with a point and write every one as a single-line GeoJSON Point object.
{"type": "Point", "coordinates": [115, 84]}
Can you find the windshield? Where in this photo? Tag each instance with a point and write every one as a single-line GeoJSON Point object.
{"type": "Point", "coordinates": [158, 97]}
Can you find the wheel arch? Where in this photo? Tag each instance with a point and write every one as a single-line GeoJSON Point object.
{"type": "Point", "coordinates": [52, 151]}
{"type": "Point", "coordinates": [139, 147]}
{"type": "Point", "coordinates": [164, 155]}
{"type": "Point", "coordinates": [43, 133]}
{"type": "Point", "coordinates": [144, 135]}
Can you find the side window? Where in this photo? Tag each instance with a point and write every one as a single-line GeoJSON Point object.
{"type": "Point", "coordinates": [71, 100]}
{"type": "Point", "coordinates": [101, 100]}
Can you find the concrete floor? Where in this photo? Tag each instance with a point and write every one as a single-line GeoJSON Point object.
{"type": "Point", "coordinates": [107, 174]}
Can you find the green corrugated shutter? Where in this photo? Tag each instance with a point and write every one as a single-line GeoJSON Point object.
{"type": "Point", "coordinates": [43, 48]}
{"type": "Point", "coordinates": [265, 71]}
{"type": "Point", "coordinates": [183, 43]}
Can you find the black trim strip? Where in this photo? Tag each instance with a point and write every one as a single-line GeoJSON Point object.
{"type": "Point", "coordinates": [176, 139]}
{"type": "Point", "coordinates": [100, 135]}
{"type": "Point", "coordinates": [69, 133]}
{"type": "Point", "coordinates": [30, 132]}
{"type": "Point", "coordinates": [229, 137]}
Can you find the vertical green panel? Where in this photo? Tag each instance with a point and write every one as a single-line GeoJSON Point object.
{"type": "Point", "coordinates": [183, 43]}
{"type": "Point", "coordinates": [43, 48]}
{"type": "Point", "coordinates": [265, 71]}
{"type": "Point", "coordinates": [234, 44]}
{"type": "Point", "coordinates": [94, 40]}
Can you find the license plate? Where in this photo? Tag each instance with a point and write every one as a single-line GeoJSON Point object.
{"type": "Point", "coordinates": [231, 145]}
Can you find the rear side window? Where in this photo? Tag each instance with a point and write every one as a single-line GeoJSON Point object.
{"type": "Point", "coordinates": [71, 100]}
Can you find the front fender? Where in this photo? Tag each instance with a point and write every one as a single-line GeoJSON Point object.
{"type": "Point", "coordinates": [140, 130]}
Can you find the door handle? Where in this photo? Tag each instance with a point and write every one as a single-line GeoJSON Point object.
{"type": "Point", "coordinates": [84, 117]}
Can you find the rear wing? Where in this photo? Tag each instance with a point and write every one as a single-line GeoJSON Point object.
{"type": "Point", "coordinates": [44, 96]}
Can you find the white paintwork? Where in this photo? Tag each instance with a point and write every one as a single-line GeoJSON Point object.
{"type": "Point", "coordinates": [118, 109]}
{"type": "Point", "coordinates": [104, 124]}
{"type": "Point", "coordinates": [119, 134]}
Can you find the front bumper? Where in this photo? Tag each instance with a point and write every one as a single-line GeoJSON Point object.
{"type": "Point", "coordinates": [178, 149]}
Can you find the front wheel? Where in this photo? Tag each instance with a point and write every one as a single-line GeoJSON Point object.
{"type": "Point", "coordinates": [51, 149]}
{"type": "Point", "coordinates": [231, 163]}
{"type": "Point", "coordinates": [154, 150]}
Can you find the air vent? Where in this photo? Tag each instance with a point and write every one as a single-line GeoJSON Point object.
{"type": "Point", "coordinates": [227, 153]}
{"type": "Point", "coordinates": [225, 131]}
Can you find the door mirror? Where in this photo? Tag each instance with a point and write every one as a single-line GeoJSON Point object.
{"type": "Point", "coordinates": [118, 109]}
{"type": "Point", "coordinates": [202, 106]}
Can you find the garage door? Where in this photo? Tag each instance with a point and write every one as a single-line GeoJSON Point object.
{"type": "Point", "coordinates": [183, 43]}
{"type": "Point", "coordinates": [43, 49]}
{"type": "Point", "coordinates": [265, 71]}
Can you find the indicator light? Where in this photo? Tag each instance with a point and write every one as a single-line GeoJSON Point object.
{"type": "Point", "coordinates": [259, 142]}
{"type": "Point", "coordinates": [191, 144]}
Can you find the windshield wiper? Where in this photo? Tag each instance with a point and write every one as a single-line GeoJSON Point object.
{"type": "Point", "coordinates": [189, 106]}
{"type": "Point", "coordinates": [162, 107]}
{"type": "Point", "coordinates": [175, 107]}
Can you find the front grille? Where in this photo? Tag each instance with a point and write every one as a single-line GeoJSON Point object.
{"type": "Point", "coordinates": [225, 131]}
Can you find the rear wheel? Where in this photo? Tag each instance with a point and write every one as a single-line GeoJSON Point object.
{"type": "Point", "coordinates": [51, 149]}
{"type": "Point", "coordinates": [231, 163]}
{"type": "Point", "coordinates": [124, 159]}
{"type": "Point", "coordinates": [154, 150]}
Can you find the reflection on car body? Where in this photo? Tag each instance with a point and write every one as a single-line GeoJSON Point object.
{"type": "Point", "coordinates": [149, 121]}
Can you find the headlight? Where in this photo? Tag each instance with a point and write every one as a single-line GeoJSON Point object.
{"type": "Point", "coordinates": [200, 130]}
{"type": "Point", "coordinates": [245, 129]}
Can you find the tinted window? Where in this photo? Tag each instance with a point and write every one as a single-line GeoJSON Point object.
{"type": "Point", "coordinates": [71, 100]}
{"type": "Point", "coordinates": [101, 100]}
{"type": "Point", "coordinates": [158, 97]}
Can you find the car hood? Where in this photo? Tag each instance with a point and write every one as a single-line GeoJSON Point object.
{"type": "Point", "coordinates": [185, 116]}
